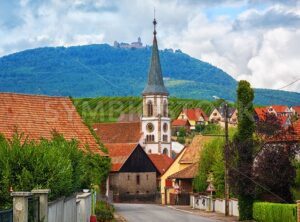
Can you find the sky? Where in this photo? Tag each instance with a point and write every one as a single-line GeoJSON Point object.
{"type": "Point", "coordinates": [256, 40]}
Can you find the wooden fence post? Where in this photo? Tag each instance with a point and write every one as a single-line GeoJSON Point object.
{"type": "Point", "coordinates": [20, 206]}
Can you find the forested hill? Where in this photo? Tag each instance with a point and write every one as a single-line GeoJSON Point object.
{"type": "Point", "coordinates": [102, 70]}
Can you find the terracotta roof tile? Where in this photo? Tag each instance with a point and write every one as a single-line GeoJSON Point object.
{"type": "Point", "coordinates": [280, 108]}
{"type": "Point", "coordinates": [129, 117]}
{"type": "Point", "coordinates": [261, 112]}
{"type": "Point", "coordinates": [189, 172]}
{"type": "Point", "coordinates": [38, 116]}
{"type": "Point", "coordinates": [192, 153]}
{"type": "Point", "coordinates": [180, 122]}
{"type": "Point", "coordinates": [119, 153]}
{"type": "Point", "coordinates": [195, 114]}
{"type": "Point", "coordinates": [161, 161]}
{"type": "Point", "coordinates": [129, 132]}
{"type": "Point", "coordinates": [297, 109]}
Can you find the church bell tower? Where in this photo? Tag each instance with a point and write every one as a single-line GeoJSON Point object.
{"type": "Point", "coordinates": [155, 120]}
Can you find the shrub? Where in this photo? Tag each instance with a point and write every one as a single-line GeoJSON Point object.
{"type": "Point", "coordinates": [104, 211]}
{"type": "Point", "coordinates": [56, 164]}
{"type": "Point", "coordinates": [274, 212]}
{"type": "Point", "coordinates": [211, 160]}
{"type": "Point", "coordinates": [212, 128]}
{"type": "Point", "coordinates": [181, 140]}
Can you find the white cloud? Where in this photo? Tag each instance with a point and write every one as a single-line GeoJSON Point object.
{"type": "Point", "coordinates": [259, 44]}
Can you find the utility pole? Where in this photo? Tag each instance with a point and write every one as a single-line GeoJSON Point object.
{"type": "Point", "coordinates": [226, 161]}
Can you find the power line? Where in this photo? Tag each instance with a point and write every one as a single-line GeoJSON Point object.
{"type": "Point", "coordinates": [289, 84]}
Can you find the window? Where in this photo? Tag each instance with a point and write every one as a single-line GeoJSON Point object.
{"type": "Point", "coordinates": [150, 138]}
{"type": "Point", "coordinates": [149, 108]}
{"type": "Point", "coordinates": [138, 179]}
{"type": "Point", "coordinates": [165, 109]}
{"type": "Point", "coordinates": [147, 176]}
{"type": "Point", "coordinates": [165, 138]}
{"type": "Point", "coordinates": [128, 177]}
{"type": "Point", "coordinates": [165, 127]}
{"type": "Point", "coordinates": [165, 151]}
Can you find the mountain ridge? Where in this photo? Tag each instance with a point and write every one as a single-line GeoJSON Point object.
{"type": "Point", "coordinates": [103, 70]}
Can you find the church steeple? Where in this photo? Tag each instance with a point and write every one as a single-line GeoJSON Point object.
{"type": "Point", "coordinates": [155, 84]}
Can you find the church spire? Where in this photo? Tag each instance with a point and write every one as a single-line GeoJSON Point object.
{"type": "Point", "coordinates": [155, 84]}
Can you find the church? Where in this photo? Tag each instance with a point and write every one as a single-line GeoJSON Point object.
{"type": "Point", "coordinates": [140, 146]}
{"type": "Point", "coordinates": [155, 119]}
{"type": "Point", "coordinates": [152, 130]}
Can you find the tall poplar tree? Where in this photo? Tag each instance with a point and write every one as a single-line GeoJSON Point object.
{"type": "Point", "coordinates": [243, 149]}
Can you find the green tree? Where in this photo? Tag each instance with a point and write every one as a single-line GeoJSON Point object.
{"type": "Point", "coordinates": [211, 161]}
{"type": "Point", "coordinates": [57, 164]}
{"type": "Point", "coordinates": [242, 151]}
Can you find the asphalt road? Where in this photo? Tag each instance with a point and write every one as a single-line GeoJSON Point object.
{"type": "Point", "coordinates": [156, 213]}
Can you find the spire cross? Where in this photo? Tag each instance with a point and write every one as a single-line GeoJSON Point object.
{"type": "Point", "coordinates": [154, 23]}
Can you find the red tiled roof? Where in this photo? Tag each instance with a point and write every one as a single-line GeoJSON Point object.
{"type": "Point", "coordinates": [119, 153]}
{"type": "Point", "coordinates": [291, 134]}
{"type": "Point", "coordinates": [180, 122]}
{"type": "Point", "coordinates": [129, 117]}
{"type": "Point", "coordinates": [280, 108]}
{"type": "Point", "coordinates": [189, 172]}
{"type": "Point", "coordinates": [296, 128]}
{"type": "Point", "coordinates": [129, 132]}
{"type": "Point", "coordinates": [261, 112]}
{"type": "Point", "coordinates": [38, 116]}
{"type": "Point", "coordinates": [192, 153]}
{"type": "Point", "coordinates": [297, 109]}
{"type": "Point", "coordinates": [195, 114]}
{"type": "Point", "coordinates": [161, 161]}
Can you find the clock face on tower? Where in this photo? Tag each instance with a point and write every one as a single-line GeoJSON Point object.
{"type": "Point", "coordinates": [150, 127]}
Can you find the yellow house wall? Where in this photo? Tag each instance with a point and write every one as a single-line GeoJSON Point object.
{"type": "Point", "coordinates": [175, 167]}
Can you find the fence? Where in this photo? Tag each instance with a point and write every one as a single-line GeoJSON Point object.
{"type": "Point", "coordinates": [215, 205]}
{"type": "Point", "coordinates": [180, 199]}
{"type": "Point", "coordinates": [135, 198]}
{"type": "Point", "coordinates": [34, 206]}
{"type": "Point", "coordinates": [71, 209]}
{"type": "Point", "coordinates": [6, 215]}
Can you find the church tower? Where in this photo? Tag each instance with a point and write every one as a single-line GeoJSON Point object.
{"type": "Point", "coordinates": [155, 120]}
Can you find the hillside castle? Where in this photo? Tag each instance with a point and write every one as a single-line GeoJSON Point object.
{"type": "Point", "coordinates": [125, 45]}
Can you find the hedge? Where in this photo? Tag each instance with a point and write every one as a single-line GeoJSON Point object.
{"type": "Point", "coordinates": [57, 164]}
{"type": "Point", "coordinates": [274, 212]}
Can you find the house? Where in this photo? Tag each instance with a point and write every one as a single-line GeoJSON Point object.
{"type": "Point", "coordinates": [179, 172]}
{"type": "Point", "coordinates": [39, 116]}
{"type": "Point", "coordinates": [284, 118]}
{"type": "Point", "coordinates": [194, 116]}
{"type": "Point", "coordinates": [161, 162]}
{"type": "Point", "coordinates": [180, 123]}
{"type": "Point", "coordinates": [215, 116]}
{"type": "Point", "coordinates": [296, 111]}
{"type": "Point", "coordinates": [260, 113]}
{"type": "Point", "coordinates": [133, 176]}
{"type": "Point", "coordinates": [218, 116]}
{"type": "Point", "coordinates": [279, 110]}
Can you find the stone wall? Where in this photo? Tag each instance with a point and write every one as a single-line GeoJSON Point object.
{"type": "Point", "coordinates": [127, 183]}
